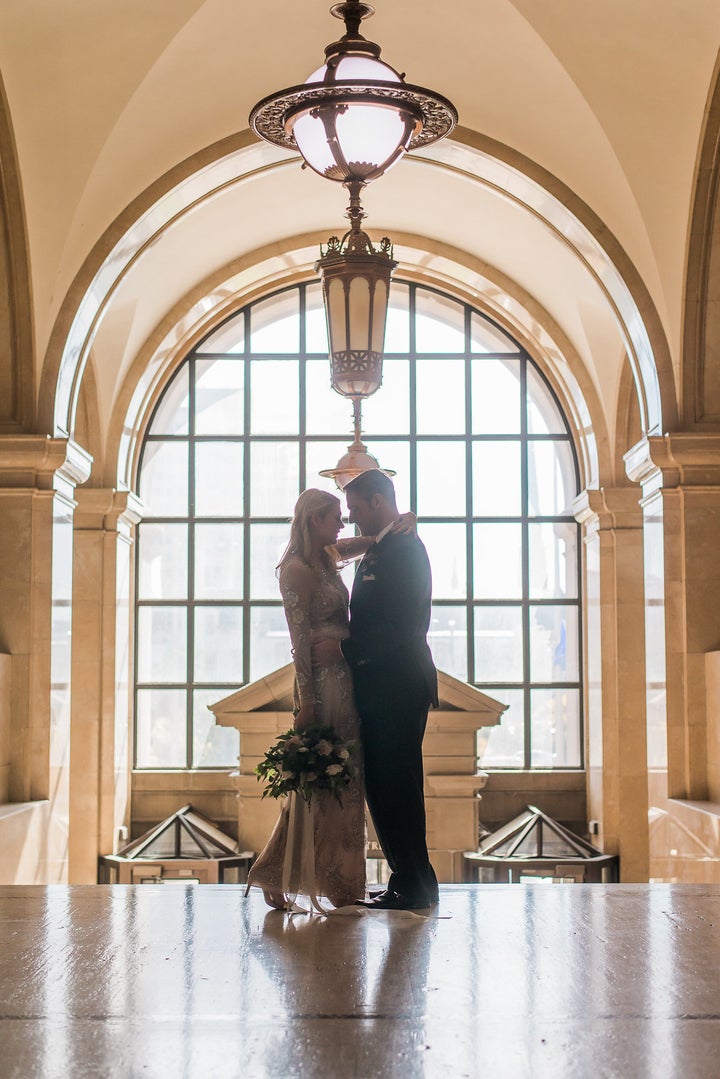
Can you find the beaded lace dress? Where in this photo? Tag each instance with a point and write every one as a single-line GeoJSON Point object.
{"type": "Point", "coordinates": [316, 606]}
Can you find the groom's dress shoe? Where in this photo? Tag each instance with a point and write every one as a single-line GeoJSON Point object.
{"type": "Point", "coordinates": [395, 901]}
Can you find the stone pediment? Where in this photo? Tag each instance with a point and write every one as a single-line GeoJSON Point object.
{"type": "Point", "coordinates": [273, 694]}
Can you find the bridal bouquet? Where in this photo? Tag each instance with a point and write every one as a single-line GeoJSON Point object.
{"type": "Point", "coordinates": [306, 762]}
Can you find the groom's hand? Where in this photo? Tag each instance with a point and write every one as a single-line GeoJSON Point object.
{"type": "Point", "coordinates": [325, 652]}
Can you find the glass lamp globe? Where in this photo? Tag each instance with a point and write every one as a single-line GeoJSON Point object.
{"type": "Point", "coordinates": [355, 116]}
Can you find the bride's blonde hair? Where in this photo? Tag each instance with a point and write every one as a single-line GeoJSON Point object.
{"type": "Point", "coordinates": [309, 503]}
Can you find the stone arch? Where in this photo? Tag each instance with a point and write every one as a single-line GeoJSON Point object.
{"type": "Point", "coordinates": [701, 332]}
{"type": "Point", "coordinates": [432, 264]}
{"type": "Point", "coordinates": [176, 197]}
{"type": "Point", "coordinates": [16, 335]}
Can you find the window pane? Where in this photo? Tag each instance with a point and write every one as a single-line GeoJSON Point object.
{"type": "Point", "coordinates": [440, 400]}
{"type": "Point", "coordinates": [171, 417]}
{"type": "Point", "coordinates": [448, 640]}
{"type": "Point", "coordinates": [164, 479]}
{"type": "Point", "coordinates": [387, 412]}
{"type": "Point", "coordinates": [320, 456]}
{"type": "Point", "coordinates": [162, 554]}
{"type": "Point", "coordinates": [441, 479]}
{"type": "Point", "coordinates": [229, 338]}
{"type": "Point", "coordinates": [161, 725]}
{"type": "Point", "coordinates": [553, 560]}
{"type": "Point", "coordinates": [553, 644]}
{"type": "Point", "coordinates": [269, 641]}
{"type": "Point", "coordinates": [439, 323]}
{"type": "Point", "coordinates": [446, 548]}
{"type": "Point", "coordinates": [496, 397]}
{"type": "Point", "coordinates": [274, 478]}
{"type": "Point", "coordinates": [316, 339]}
{"type": "Point", "coordinates": [275, 324]}
{"type": "Point", "coordinates": [551, 479]}
{"type": "Point", "coordinates": [162, 644]}
{"type": "Point", "coordinates": [395, 455]}
{"type": "Point", "coordinates": [219, 397]}
{"type": "Point", "coordinates": [498, 644]}
{"type": "Point", "coordinates": [497, 561]}
{"type": "Point", "coordinates": [218, 644]}
{"type": "Point", "coordinates": [496, 484]}
{"type": "Point", "coordinates": [218, 561]}
{"type": "Point", "coordinates": [267, 543]}
{"type": "Point", "coordinates": [327, 412]}
{"type": "Point", "coordinates": [504, 746]}
{"type": "Point", "coordinates": [213, 746]}
{"type": "Point", "coordinates": [274, 397]}
{"type": "Point", "coordinates": [543, 413]}
{"type": "Point", "coordinates": [488, 338]}
{"type": "Point", "coordinates": [397, 324]}
{"type": "Point", "coordinates": [219, 479]}
{"type": "Point", "coordinates": [555, 728]}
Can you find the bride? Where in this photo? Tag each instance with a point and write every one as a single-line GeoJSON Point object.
{"type": "Point", "coordinates": [316, 606]}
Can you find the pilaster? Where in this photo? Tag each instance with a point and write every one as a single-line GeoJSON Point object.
{"type": "Point", "coordinates": [680, 477]}
{"type": "Point", "coordinates": [38, 476]}
{"type": "Point", "coordinates": [99, 758]}
{"type": "Point", "coordinates": [615, 660]}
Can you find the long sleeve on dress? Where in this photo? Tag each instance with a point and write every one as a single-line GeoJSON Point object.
{"type": "Point", "coordinates": [296, 588]}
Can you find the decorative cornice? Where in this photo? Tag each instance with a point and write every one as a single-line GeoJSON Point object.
{"type": "Point", "coordinates": [681, 459]}
{"type": "Point", "coordinates": [106, 509]}
{"type": "Point", "coordinates": [609, 508]}
{"type": "Point", "coordinates": [41, 462]}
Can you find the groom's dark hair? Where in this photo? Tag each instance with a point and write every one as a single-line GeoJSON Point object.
{"type": "Point", "coordinates": [373, 482]}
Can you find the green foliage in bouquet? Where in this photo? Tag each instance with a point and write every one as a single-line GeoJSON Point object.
{"type": "Point", "coordinates": [308, 761]}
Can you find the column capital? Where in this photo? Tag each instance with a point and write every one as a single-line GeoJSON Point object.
{"type": "Point", "coordinates": [42, 463]}
{"type": "Point", "coordinates": [105, 509]}
{"type": "Point", "coordinates": [679, 459]}
{"type": "Point", "coordinates": [609, 507]}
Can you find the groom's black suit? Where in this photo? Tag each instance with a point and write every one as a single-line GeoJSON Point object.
{"type": "Point", "coordinates": [395, 683]}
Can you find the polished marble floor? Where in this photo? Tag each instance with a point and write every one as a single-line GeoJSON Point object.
{"type": "Point", "coordinates": [517, 981]}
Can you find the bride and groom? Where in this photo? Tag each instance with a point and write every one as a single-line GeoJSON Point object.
{"type": "Point", "coordinates": [362, 666]}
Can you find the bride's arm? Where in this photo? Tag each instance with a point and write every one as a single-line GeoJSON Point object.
{"type": "Point", "coordinates": [296, 588]}
{"type": "Point", "coordinates": [356, 546]}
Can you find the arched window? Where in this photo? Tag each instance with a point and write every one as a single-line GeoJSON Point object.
{"type": "Point", "coordinates": [483, 455]}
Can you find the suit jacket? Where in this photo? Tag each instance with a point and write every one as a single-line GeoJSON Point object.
{"type": "Point", "coordinates": [387, 648]}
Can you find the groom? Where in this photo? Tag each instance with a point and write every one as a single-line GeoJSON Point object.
{"type": "Point", "coordinates": [395, 683]}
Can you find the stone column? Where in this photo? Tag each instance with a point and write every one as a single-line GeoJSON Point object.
{"type": "Point", "coordinates": [37, 482]}
{"type": "Point", "coordinates": [615, 697]}
{"type": "Point", "coordinates": [680, 477]}
{"type": "Point", "coordinates": [100, 744]}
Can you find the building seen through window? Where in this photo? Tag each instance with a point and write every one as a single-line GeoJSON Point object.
{"type": "Point", "coordinates": [483, 455]}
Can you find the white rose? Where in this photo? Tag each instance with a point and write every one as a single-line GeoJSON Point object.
{"type": "Point", "coordinates": [323, 748]}
{"type": "Point", "coordinates": [334, 770]}
{"type": "Point", "coordinates": [343, 754]}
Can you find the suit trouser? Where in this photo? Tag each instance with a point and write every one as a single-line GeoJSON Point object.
{"type": "Point", "coordinates": [392, 733]}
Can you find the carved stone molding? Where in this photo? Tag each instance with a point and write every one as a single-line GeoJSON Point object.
{"type": "Point", "coordinates": [681, 459]}
{"type": "Point", "coordinates": [608, 507]}
{"type": "Point", "coordinates": [41, 462]}
{"type": "Point", "coordinates": [106, 509]}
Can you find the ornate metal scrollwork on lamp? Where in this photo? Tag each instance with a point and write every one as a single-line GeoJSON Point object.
{"type": "Point", "coordinates": [352, 120]}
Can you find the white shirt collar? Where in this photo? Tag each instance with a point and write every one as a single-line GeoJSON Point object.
{"type": "Point", "coordinates": [381, 535]}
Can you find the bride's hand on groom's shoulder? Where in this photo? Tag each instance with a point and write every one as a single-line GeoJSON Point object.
{"type": "Point", "coordinates": [406, 524]}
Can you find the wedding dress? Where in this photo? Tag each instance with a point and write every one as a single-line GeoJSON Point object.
{"type": "Point", "coordinates": [318, 851]}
